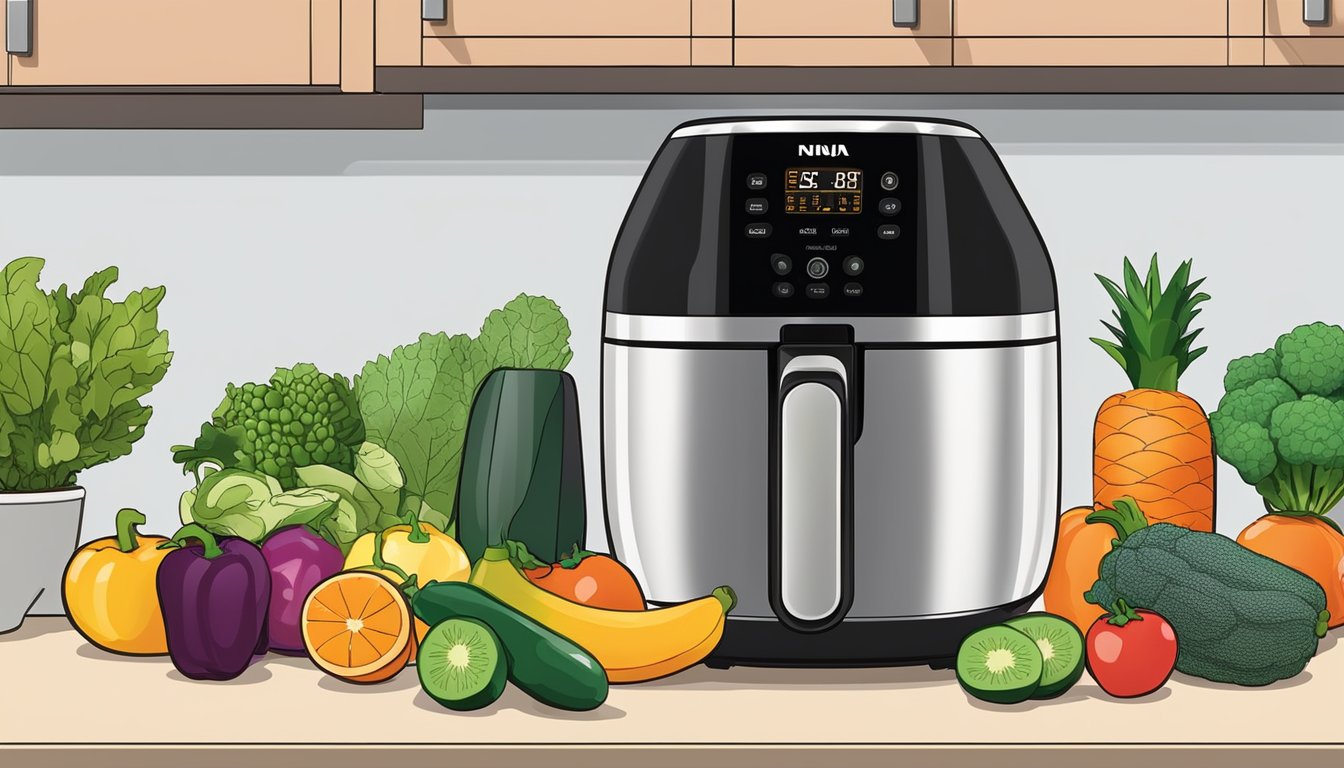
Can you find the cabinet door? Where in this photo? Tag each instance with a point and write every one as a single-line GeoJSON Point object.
{"type": "Point", "coordinates": [1292, 41]}
{"type": "Point", "coordinates": [166, 42]}
{"type": "Point", "coordinates": [550, 33]}
{"type": "Point", "coordinates": [854, 33]}
{"type": "Point", "coordinates": [1073, 33]}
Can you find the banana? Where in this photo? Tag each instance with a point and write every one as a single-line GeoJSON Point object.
{"type": "Point", "coordinates": [632, 646]}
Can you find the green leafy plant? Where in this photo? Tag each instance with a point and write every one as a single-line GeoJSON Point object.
{"type": "Point", "coordinates": [73, 368]}
{"type": "Point", "coordinates": [300, 417]}
{"type": "Point", "coordinates": [415, 401]}
{"type": "Point", "coordinates": [1281, 421]}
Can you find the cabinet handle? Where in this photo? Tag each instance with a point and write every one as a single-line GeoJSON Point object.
{"type": "Point", "coordinates": [19, 27]}
{"type": "Point", "coordinates": [434, 10]}
{"type": "Point", "coordinates": [1316, 12]}
{"type": "Point", "coordinates": [905, 13]}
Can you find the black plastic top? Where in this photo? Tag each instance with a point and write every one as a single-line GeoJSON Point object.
{"type": "Point", "coordinates": [828, 217]}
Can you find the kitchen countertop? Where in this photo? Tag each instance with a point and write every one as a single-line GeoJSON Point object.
{"type": "Point", "coordinates": [61, 696]}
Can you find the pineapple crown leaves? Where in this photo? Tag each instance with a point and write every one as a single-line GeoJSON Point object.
{"type": "Point", "coordinates": [1153, 341]}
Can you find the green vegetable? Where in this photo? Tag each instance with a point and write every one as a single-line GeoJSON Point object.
{"type": "Point", "coordinates": [300, 418]}
{"type": "Point", "coordinates": [522, 475]}
{"type": "Point", "coordinates": [545, 665]}
{"type": "Point", "coordinates": [461, 665]}
{"type": "Point", "coordinates": [1241, 618]}
{"type": "Point", "coordinates": [359, 510]}
{"type": "Point", "coordinates": [999, 664]}
{"type": "Point", "coordinates": [415, 401]}
{"type": "Point", "coordinates": [1281, 421]}
{"type": "Point", "coordinates": [1063, 653]}
{"type": "Point", "coordinates": [235, 502]}
{"type": "Point", "coordinates": [73, 368]}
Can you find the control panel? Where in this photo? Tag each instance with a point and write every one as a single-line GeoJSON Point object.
{"type": "Point", "coordinates": [823, 224]}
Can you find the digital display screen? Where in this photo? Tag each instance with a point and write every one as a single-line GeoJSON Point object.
{"type": "Point", "coordinates": [823, 190]}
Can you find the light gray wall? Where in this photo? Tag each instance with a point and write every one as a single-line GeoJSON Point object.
{"type": "Point", "coordinates": [335, 247]}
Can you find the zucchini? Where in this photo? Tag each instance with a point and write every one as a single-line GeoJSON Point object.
{"type": "Point", "coordinates": [548, 667]}
{"type": "Point", "coordinates": [1240, 617]}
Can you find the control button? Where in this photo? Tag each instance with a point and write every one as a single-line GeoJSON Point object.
{"type": "Point", "coordinates": [853, 266]}
{"type": "Point", "coordinates": [758, 230]}
{"type": "Point", "coordinates": [782, 290]}
{"type": "Point", "coordinates": [818, 290]}
{"type": "Point", "coordinates": [890, 181]}
{"type": "Point", "coordinates": [807, 231]}
{"type": "Point", "coordinates": [756, 181]}
{"type": "Point", "coordinates": [889, 231]}
{"type": "Point", "coordinates": [853, 290]}
{"type": "Point", "coordinates": [817, 268]}
{"type": "Point", "coordinates": [839, 231]}
{"type": "Point", "coordinates": [757, 205]}
{"type": "Point", "coordinates": [782, 264]}
{"type": "Point", "coordinates": [889, 206]}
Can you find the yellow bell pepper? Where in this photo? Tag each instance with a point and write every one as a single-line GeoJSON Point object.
{"type": "Point", "coordinates": [427, 553]}
{"type": "Point", "coordinates": [110, 593]}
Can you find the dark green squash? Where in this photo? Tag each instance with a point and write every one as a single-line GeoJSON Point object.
{"type": "Point", "coordinates": [1239, 617]}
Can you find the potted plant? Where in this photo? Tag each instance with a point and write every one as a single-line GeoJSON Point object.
{"type": "Point", "coordinates": [73, 368]}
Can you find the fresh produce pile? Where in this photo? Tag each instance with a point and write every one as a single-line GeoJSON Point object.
{"type": "Point", "coordinates": [321, 523]}
{"type": "Point", "coordinates": [1143, 571]}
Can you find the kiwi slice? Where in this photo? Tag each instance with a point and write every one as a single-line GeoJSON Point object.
{"type": "Point", "coordinates": [462, 665]}
{"type": "Point", "coordinates": [999, 664]}
{"type": "Point", "coordinates": [1061, 647]}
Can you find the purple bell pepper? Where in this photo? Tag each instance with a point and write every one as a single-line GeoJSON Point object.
{"type": "Point", "coordinates": [214, 597]}
{"type": "Point", "coordinates": [298, 560]}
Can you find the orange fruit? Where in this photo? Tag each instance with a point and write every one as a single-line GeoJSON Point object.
{"type": "Point", "coordinates": [357, 626]}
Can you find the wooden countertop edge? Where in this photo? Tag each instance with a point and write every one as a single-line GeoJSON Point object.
{"type": "Point", "coordinates": [862, 80]}
{"type": "Point", "coordinates": [679, 756]}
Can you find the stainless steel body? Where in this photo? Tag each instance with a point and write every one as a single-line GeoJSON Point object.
{"type": "Point", "coordinates": [955, 474]}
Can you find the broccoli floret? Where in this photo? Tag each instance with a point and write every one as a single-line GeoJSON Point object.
{"type": "Point", "coordinates": [1311, 358]}
{"type": "Point", "coordinates": [1309, 431]}
{"type": "Point", "coordinates": [1247, 370]}
{"type": "Point", "coordinates": [1245, 445]}
{"type": "Point", "coordinates": [299, 418]}
{"type": "Point", "coordinates": [1256, 402]}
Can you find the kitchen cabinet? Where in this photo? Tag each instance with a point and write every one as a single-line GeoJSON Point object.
{"type": "Point", "coordinates": [172, 42]}
{"type": "Point", "coordinates": [1290, 40]}
{"type": "Point", "coordinates": [1072, 33]}
{"type": "Point", "coordinates": [856, 33]}
{"type": "Point", "coordinates": [547, 33]}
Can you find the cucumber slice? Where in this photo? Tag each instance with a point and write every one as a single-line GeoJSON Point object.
{"type": "Point", "coordinates": [462, 665]}
{"type": "Point", "coordinates": [1062, 651]}
{"type": "Point", "coordinates": [999, 664]}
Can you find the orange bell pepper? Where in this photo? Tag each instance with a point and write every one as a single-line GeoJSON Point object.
{"type": "Point", "coordinates": [1073, 570]}
{"type": "Point", "coordinates": [110, 593]}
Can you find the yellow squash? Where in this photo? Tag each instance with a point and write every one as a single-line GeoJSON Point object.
{"type": "Point", "coordinates": [428, 554]}
{"type": "Point", "coordinates": [631, 646]}
{"type": "Point", "coordinates": [109, 590]}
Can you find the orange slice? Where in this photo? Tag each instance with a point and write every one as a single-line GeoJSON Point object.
{"type": "Point", "coordinates": [357, 626]}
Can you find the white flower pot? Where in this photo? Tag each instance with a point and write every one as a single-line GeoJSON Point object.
{"type": "Point", "coordinates": [40, 531]}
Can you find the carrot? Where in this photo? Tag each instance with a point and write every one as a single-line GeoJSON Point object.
{"type": "Point", "coordinates": [1153, 443]}
{"type": "Point", "coordinates": [1307, 543]}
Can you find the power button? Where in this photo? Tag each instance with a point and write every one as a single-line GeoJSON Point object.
{"type": "Point", "coordinates": [817, 268]}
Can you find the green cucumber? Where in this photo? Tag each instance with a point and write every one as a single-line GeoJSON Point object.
{"type": "Point", "coordinates": [461, 665]}
{"type": "Point", "coordinates": [999, 664]}
{"type": "Point", "coordinates": [547, 666]}
{"type": "Point", "coordinates": [1062, 651]}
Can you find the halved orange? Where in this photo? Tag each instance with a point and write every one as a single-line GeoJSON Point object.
{"type": "Point", "coordinates": [357, 626]}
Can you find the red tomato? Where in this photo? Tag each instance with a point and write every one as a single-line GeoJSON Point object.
{"type": "Point", "coordinates": [1133, 656]}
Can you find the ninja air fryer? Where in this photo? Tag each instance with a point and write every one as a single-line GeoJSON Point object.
{"type": "Point", "coordinates": [831, 380]}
